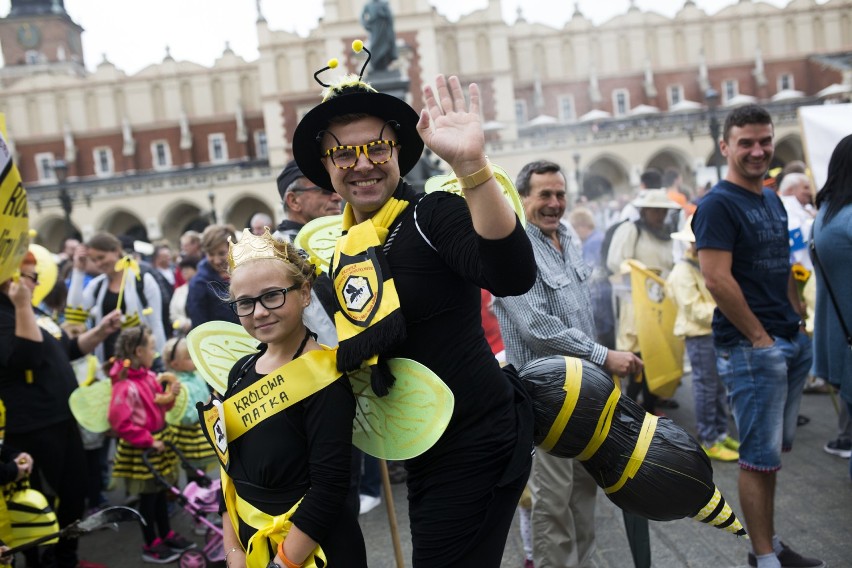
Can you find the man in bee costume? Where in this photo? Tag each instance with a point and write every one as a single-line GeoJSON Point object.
{"type": "Point", "coordinates": [407, 274]}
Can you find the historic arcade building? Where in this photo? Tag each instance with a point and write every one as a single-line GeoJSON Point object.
{"type": "Point", "coordinates": [177, 144]}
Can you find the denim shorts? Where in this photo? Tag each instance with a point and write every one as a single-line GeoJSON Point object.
{"type": "Point", "coordinates": [765, 388]}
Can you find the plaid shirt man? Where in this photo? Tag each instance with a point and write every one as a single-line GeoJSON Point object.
{"type": "Point", "coordinates": [555, 317]}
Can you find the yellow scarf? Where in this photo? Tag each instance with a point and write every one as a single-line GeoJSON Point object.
{"type": "Point", "coordinates": [368, 318]}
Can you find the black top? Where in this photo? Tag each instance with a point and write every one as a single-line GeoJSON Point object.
{"type": "Point", "coordinates": [304, 450]}
{"type": "Point", "coordinates": [439, 283]}
{"type": "Point", "coordinates": [753, 228]}
{"type": "Point", "coordinates": [43, 401]}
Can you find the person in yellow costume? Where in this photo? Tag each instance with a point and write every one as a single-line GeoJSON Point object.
{"type": "Point", "coordinates": [287, 419]}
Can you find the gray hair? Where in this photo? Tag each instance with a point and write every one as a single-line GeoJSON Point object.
{"type": "Point", "coordinates": [791, 181]}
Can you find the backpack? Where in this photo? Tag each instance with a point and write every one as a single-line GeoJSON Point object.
{"type": "Point", "coordinates": [601, 288]}
{"type": "Point", "coordinates": [607, 242]}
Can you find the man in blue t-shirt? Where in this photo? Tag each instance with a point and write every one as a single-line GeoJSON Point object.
{"type": "Point", "coordinates": [762, 352]}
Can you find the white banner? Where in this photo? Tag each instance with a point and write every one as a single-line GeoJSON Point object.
{"type": "Point", "coordinates": [822, 128]}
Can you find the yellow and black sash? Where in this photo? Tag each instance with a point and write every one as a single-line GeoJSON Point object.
{"type": "Point", "coordinates": [368, 317]}
{"type": "Point", "coordinates": [270, 531]}
{"type": "Point", "coordinates": [223, 421]}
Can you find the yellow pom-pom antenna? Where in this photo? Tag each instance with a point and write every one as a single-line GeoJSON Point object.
{"type": "Point", "coordinates": [357, 47]}
{"type": "Point", "coordinates": [332, 64]}
{"type": "Point", "coordinates": [33, 233]}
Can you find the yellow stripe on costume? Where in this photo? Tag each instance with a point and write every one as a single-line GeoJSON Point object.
{"type": "Point", "coordinates": [191, 441]}
{"type": "Point", "coordinates": [131, 320]}
{"type": "Point", "coordinates": [76, 314]}
{"type": "Point", "coordinates": [724, 516]}
{"type": "Point", "coordinates": [571, 386]}
{"type": "Point", "coordinates": [603, 426]}
{"type": "Point", "coordinates": [649, 426]}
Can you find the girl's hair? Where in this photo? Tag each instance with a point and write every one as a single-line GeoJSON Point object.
{"type": "Point", "coordinates": [297, 265]}
{"type": "Point", "coordinates": [837, 191]}
{"type": "Point", "coordinates": [170, 351]}
{"type": "Point", "coordinates": [126, 344]}
{"type": "Point", "coordinates": [105, 242]}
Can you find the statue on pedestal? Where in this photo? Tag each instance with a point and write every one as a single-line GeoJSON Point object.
{"type": "Point", "coordinates": [377, 19]}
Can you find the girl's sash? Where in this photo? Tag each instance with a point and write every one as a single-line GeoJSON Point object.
{"type": "Point", "coordinates": [223, 421]}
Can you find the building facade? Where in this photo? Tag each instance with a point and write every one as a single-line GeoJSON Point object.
{"type": "Point", "coordinates": [179, 144]}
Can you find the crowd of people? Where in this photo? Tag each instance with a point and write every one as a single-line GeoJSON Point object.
{"type": "Point", "coordinates": [413, 276]}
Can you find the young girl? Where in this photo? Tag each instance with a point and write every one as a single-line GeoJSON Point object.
{"type": "Point", "coordinates": [137, 414]}
{"type": "Point", "coordinates": [288, 469]}
{"type": "Point", "coordinates": [189, 438]}
{"type": "Point", "coordinates": [695, 308]}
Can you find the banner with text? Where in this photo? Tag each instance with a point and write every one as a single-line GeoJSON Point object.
{"type": "Point", "coordinates": [14, 217]}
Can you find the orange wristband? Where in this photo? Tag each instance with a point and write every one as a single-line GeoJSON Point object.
{"type": "Point", "coordinates": [284, 558]}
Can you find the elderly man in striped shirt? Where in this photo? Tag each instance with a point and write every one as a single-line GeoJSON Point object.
{"type": "Point", "coordinates": [555, 318]}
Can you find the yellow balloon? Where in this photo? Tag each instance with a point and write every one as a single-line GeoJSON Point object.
{"type": "Point", "coordinates": [47, 273]}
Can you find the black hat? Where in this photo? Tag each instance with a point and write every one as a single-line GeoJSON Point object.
{"type": "Point", "coordinates": [288, 175]}
{"type": "Point", "coordinates": [353, 96]}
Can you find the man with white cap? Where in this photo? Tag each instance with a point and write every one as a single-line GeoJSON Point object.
{"type": "Point", "coordinates": [648, 241]}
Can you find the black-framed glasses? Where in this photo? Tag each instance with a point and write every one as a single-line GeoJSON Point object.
{"type": "Point", "coordinates": [271, 300]}
{"type": "Point", "coordinates": [33, 277]}
{"type": "Point", "coordinates": [346, 156]}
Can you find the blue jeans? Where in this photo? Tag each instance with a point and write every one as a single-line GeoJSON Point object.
{"type": "Point", "coordinates": [711, 401]}
{"type": "Point", "coordinates": [849, 408]}
{"type": "Point", "coordinates": [765, 389]}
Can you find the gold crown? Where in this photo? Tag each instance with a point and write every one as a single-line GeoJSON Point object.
{"type": "Point", "coordinates": [252, 247]}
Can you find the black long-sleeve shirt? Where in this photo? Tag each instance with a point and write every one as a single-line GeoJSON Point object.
{"type": "Point", "coordinates": [36, 379]}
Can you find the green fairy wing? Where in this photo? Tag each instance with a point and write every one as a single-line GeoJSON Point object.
{"type": "Point", "coordinates": [406, 422]}
{"type": "Point", "coordinates": [90, 405]}
{"type": "Point", "coordinates": [214, 347]}
{"type": "Point", "coordinates": [319, 237]}
{"type": "Point", "coordinates": [451, 184]}
{"type": "Point", "coordinates": [174, 415]}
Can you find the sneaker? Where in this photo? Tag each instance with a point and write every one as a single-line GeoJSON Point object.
{"type": "Point", "coordinates": [158, 553]}
{"type": "Point", "coordinates": [528, 563]}
{"type": "Point", "coordinates": [816, 385]}
{"type": "Point", "coordinates": [839, 447]}
{"type": "Point", "coordinates": [731, 444]}
{"type": "Point", "coordinates": [789, 558]}
{"type": "Point", "coordinates": [720, 453]}
{"type": "Point", "coordinates": [368, 503]}
{"type": "Point", "coordinates": [177, 543]}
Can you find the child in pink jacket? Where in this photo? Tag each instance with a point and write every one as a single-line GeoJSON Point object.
{"type": "Point", "coordinates": [137, 413]}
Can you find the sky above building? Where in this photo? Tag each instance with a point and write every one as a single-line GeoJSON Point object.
{"type": "Point", "coordinates": [133, 35]}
